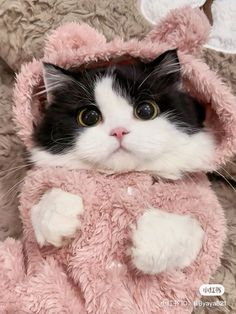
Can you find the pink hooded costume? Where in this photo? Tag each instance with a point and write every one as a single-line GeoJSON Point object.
{"type": "Point", "coordinates": [79, 278]}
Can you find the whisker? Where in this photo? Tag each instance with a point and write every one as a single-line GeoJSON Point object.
{"type": "Point", "coordinates": [231, 177]}
{"type": "Point", "coordinates": [226, 180]}
{"type": "Point", "coordinates": [232, 163]}
{"type": "Point", "coordinates": [49, 88]}
{"type": "Point", "coordinates": [14, 169]}
{"type": "Point", "coordinates": [11, 190]}
{"type": "Point", "coordinates": [161, 72]}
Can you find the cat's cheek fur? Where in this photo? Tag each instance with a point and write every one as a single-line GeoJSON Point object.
{"type": "Point", "coordinates": [168, 154]}
{"type": "Point", "coordinates": [165, 241]}
{"type": "Point", "coordinates": [186, 154]}
{"type": "Point", "coordinates": [95, 145]}
{"type": "Point", "coordinates": [157, 146]}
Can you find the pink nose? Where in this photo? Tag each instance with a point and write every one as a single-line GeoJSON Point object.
{"type": "Point", "coordinates": [119, 132]}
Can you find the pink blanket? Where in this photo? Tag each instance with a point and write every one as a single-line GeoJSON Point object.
{"type": "Point", "coordinates": [94, 273]}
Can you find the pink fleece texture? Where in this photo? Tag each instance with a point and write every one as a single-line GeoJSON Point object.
{"type": "Point", "coordinates": [94, 273]}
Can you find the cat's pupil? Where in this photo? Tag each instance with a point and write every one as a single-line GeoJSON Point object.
{"type": "Point", "coordinates": [89, 117]}
{"type": "Point", "coordinates": [146, 111]}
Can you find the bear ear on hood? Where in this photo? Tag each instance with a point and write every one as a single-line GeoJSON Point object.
{"type": "Point", "coordinates": [67, 39]}
{"type": "Point", "coordinates": [186, 29]}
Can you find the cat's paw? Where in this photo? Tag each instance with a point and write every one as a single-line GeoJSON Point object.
{"type": "Point", "coordinates": [164, 241]}
{"type": "Point", "coordinates": [56, 217]}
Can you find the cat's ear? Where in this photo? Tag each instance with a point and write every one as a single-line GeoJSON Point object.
{"type": "Point", "coordinates": [166, 66]}
{"type": "Point", "coordinates": [55, 79]}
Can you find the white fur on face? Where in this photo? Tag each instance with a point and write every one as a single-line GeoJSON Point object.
{"type": "Point", "coordinates": [158, 145]}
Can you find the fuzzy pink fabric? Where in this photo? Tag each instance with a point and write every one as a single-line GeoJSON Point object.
{"type": "Point", "coordinates": [94, 273]}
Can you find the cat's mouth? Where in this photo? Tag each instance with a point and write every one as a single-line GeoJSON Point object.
{"type": "Point", "coordinates": [121, 149]}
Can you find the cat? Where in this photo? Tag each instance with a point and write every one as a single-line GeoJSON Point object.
{"type": "Point", "coordinates": [120, 118]}
{"type": "Point", "coordinates": [160, 127]}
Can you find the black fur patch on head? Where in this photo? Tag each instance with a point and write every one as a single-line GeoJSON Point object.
{"type": "Point", "coordinates": [68, 91]}
{"type": "Point", "coordinates": [160, 80]}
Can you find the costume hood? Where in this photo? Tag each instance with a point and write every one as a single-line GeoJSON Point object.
{"type": "Point", "coordinates": [73, 45]}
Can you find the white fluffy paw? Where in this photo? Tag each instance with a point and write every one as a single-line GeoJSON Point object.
{"type": "Point", "coordinates": [56, 217]}
{"type": "Point", "coordinates": [164, 241]}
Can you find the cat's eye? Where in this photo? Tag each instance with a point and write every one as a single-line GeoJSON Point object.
{"type": "Point", "coordinates": [89, 116]}
{"type": "Point", "coordinates": [146, 110]}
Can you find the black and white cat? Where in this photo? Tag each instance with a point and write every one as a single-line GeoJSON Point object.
{"type": "Point", "coordinates": [134, 117]}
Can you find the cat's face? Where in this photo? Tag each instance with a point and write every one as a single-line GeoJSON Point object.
{"type": "Point", "coordinates": [123, 118]}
